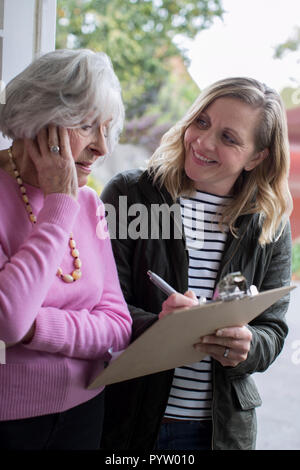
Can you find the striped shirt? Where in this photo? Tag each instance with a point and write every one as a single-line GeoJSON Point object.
{"type": "Point", "coordinates": [191, 392]}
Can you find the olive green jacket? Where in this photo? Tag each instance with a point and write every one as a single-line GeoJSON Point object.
{"type": "Point", "coordinates": [134, 408]}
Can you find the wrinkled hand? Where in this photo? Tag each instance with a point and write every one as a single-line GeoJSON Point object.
{"type": "Point", "coordinates": [56, 172]}
{"type": "Point", "coordinates": [178, 302]}
{"type": "Point", "coordinates": [237, 339]}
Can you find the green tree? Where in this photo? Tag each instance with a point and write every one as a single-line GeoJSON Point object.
{"type": "Point", "coordinates": [138, 35]}
{"type": "Point", "coordinates": [292, 44]}
{"type": "Point", "coordinates": [290, 95]}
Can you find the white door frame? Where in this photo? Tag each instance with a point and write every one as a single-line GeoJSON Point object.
{"type": "Point", "coordinates": [27, 29]}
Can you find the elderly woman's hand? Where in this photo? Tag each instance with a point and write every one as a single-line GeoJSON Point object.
{"type": "Point", "coordinates": [178, 302]}
{"type": "Point", "coordinates": [234, 342]}
{"type": "Point", "coordinates": [56, 171]}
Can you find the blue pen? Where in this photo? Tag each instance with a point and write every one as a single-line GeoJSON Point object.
{"type": "Point", "coordinates": [160, 283]}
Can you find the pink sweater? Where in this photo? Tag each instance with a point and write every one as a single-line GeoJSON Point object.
{"type": "Point", "coordinates": [77, 323]}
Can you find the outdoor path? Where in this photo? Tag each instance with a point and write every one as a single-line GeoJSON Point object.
{"type": "Point", "coordinates": [278, 418]}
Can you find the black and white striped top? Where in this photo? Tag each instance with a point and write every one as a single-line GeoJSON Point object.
{"type": "Point", "coordinates": [191, 393]}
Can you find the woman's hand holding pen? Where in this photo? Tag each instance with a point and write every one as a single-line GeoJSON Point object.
{"type": "Point", "coordinates": [175, 301]}
{"type": "Point", "coordinates": [178, 302]}
{"type": "Point", "coordinates": [229, 346]}
{"type": "Point", "coordinates": [234, 342]}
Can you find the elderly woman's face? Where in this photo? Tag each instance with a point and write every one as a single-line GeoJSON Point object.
{"type": "Point", "coordinates": [88, 143]}
{"type": "Point", "coordinates": [219, 145]}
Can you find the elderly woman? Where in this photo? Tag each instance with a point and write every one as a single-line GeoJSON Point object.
{"type": "Point", "coordinates": [61, 306]}
{"type": "Point", "coordinates": [226, 164]}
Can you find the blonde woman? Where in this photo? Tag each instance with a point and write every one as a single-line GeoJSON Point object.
{"type": "Point", "coordinates": [226, 165]}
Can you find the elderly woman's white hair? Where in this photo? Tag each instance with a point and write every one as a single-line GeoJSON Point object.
{"type": "Point", "coordinates": [66, 88]}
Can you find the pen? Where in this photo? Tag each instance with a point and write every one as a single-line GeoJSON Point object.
{"type": "Point", "coordinates": [165, 287]}
{"type": "Point", "coordinates": [161, 284]}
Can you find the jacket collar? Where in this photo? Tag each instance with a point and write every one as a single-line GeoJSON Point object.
{"type": "Point", "coordinates": [155, 193]}
{"type": "Point", "coordinates": [159, 195]}
{"type": "Point", "coordinates": [232, 246]}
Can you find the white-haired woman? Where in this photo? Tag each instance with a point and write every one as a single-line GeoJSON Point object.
{"type": "Point", "coordinates": [226, 164]}
{"type": "Point", "coordinates": [61, 306]}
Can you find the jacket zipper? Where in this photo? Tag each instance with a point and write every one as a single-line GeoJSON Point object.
{"type": "Point", "coordinates": [226, 264]}
{"type": "Point", "coordinates": [213, 371]}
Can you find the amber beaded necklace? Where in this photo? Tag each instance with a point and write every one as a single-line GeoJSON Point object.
{"type": "Point", "coordinates": [76, 274]}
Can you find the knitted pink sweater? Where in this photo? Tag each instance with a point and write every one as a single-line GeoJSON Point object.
{"type": "Point", "coordinates": [77, 323]}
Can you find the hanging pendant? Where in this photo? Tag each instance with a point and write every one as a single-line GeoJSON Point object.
{"type": "Point", "coordinates": [68, 278]}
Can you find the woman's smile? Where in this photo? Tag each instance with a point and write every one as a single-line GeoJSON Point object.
{"type": "Point", "coordinates": [201, 160]}
{"type": "Point", "coordinates": [219, 145]}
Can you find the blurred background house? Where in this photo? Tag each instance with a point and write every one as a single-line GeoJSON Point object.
{"type": "Point", "coordinates": [293, 118]}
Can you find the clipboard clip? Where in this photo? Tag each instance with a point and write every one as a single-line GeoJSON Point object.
{"type": "Point", "coordinates": [233, 286]}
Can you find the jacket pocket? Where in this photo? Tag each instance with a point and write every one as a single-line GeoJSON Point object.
{"type": "Point", "coordinates": [246, 392]}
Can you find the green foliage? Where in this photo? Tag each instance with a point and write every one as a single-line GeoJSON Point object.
{"type": "Point", "coordinates": [176, 95]}
{"type": "Point", "coordinates": [296, 258]}
{"type": "Point", "coordinates": [137, 35]}
{"type": "Point", "coordinates": [94, 184]}
{"type": "Point", "coordinates": [173, 100]}
{"type": "Point", "coordinates": [291, 97]}
{"type": "Point", "coordinates": [292, 44]}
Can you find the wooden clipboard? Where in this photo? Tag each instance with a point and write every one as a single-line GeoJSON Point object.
{"type": "Point", "coordinates": [168, 343]}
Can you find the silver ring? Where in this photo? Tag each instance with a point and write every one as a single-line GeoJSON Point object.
{"type": "Point", "coordinates": [226, 352]}
{"type": "Point", "coordinates": [55, 149]}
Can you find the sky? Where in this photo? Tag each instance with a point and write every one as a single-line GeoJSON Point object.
{"type": "Point", "coordinates": [243, 44]}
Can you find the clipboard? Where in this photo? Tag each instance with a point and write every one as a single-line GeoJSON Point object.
{"type": "Point", "coordinates": [168, 343]}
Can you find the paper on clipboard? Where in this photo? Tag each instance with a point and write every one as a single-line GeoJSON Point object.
{"type": "Point", "coordinates": [168, 343]}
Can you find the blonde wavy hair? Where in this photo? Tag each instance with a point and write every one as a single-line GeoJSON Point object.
{"type": "Point", "coordinates": [264, 190]}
